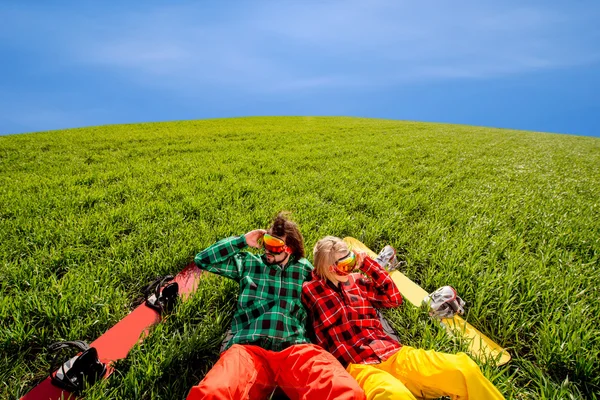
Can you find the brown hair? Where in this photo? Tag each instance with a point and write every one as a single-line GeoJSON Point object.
{"type": "Point", "coordinates": [282, 226]}
{"type": "Point", "coordinates": [326, 252]}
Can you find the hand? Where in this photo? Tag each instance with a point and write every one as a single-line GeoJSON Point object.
{"type": "Point", "coordinates": [252, 237]}
{"type": "Point", "coordinates": [360, 258]}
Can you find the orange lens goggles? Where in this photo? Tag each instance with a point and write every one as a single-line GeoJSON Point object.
{"type": "Point", "coordinates": [346, 264]}
{"type": "Point", "coordinates": [273, 244]}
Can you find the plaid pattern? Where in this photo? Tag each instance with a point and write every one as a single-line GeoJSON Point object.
{"type": "Point", "coordinates": [344, 317]}
{"type": "Point", "coordinates": [269, 312]}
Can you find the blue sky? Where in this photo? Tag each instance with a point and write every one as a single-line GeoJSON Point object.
{"type": "Point", "coordinates": [532, 65]}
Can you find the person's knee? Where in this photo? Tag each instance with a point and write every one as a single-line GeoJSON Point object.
{"type": "Point", "coordinates": [467, 367]}
{"type": "Point", "coordinates": [351, 389]}
{"type": "Point", "coordinates": [358, 393]}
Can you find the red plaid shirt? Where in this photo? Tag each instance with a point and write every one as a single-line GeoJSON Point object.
{"type": "Point", "coordinates": [344, 318]}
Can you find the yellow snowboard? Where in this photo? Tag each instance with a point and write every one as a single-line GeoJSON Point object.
{"type": "Point", "coordinates": [479, 344]}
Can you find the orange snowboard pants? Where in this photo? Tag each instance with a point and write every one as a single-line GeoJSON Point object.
{"type": "Point", "coordinates": [302, 371]}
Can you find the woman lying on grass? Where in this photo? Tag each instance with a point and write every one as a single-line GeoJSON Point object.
{"type": "Point", "coordinates": [341, 306]}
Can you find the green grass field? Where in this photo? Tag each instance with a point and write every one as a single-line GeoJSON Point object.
{"type": "Point", "coordinates": [510, 218]}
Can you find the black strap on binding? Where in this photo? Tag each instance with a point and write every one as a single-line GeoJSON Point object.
{"type": "Point", "coordinates": [83, 369]}
{"type": "Point", "coordinates": [165, 300]}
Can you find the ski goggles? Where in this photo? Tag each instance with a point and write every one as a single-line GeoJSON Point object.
{"type": "Point", "coordinates": [273, 244]}
{"type": "Point", "coordinates": [346, 264]}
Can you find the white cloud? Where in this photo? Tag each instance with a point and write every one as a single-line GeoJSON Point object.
{"type": "Point", "coordinates": [295, 46]}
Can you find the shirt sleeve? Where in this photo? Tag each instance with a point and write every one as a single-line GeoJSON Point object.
{"type": "Point", "coordinates": [310, 324]}
{"type": "Point", "coordinates": [317, 308]}
{"type": "Point", "coordinates": [307, 298]}
{"type": "Point", "coordinates": [378, 285]}
{"type": "Point", "coordinates": [224, 257]}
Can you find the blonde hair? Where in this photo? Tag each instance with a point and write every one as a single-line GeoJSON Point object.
{"type": "Point", "coordinates": [326, 252]}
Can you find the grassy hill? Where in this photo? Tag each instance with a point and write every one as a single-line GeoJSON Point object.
{"type": "Point", "coordinates": [510, 218]}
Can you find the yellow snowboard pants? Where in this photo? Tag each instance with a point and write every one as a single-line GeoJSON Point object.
{"type": "Point", "coordinates": [414, 373]}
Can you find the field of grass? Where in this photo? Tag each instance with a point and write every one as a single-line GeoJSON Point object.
{"type": "Point", "coordinates": [89, 216]}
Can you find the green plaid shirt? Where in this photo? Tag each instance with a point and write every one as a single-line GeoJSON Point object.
{"type": "Point", "coordinates": [269, 311]}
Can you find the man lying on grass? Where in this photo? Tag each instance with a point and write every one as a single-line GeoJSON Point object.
{"type": "Point", "coordinates": [269, 346]}
{"type": "Point", "coordinates": [341, 306]}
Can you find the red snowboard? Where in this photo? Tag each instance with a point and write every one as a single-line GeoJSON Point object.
{"type": "Point", "coordinates": [115, 343]}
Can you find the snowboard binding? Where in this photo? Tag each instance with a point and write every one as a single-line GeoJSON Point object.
{"type": "Point", "coordinates": [387, 258]}
{"type": "Point", "coordinates": [445, 303]}
{"type": "Point", "coordinates": [79, 371]}
{"type": "Point", "coordinates": [165, 300]}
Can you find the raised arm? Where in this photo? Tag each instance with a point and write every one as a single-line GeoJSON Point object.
{"type": "Point", "coordinates": [224, 257]}
{"type": "Point", "coordinates": [378, 285]}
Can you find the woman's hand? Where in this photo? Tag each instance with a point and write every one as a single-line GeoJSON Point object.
{"type": "Point", "coordinates": [252, 237]}
{"type": "Point", "coordinates": [360, 258]}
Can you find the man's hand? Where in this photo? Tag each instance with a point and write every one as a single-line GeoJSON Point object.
{"type": "Point", "coordinates": [252, 237]}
